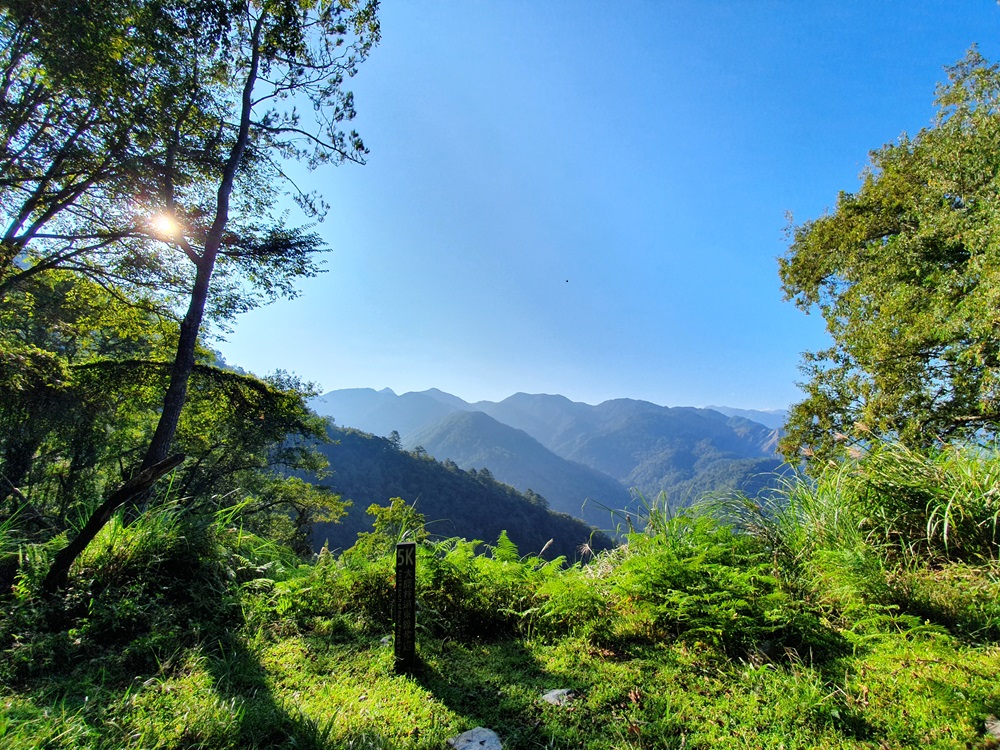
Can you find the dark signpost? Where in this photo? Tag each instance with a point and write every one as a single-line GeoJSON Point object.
{"type": "Point", "coordinates": [406, 607]}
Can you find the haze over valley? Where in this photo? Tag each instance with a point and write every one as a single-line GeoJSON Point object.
{"type": "Point", "coordinates": [584, 460]}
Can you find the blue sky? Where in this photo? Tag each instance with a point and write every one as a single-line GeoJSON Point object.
{"type": "Point", "coordinates": [589, 198]}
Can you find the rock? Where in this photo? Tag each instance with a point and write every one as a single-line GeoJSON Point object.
{"type": "Point", "coordinates": [559, 697]}
{"type": "Point", "coordinates": [993, 726]}
{"type": "Point", "coordinates": [476, 739]}
{"type": "Point", "coordinates": [386, 641]}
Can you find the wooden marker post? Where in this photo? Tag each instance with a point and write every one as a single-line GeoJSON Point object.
{"type": "Point", "coordinates": [405, 608]}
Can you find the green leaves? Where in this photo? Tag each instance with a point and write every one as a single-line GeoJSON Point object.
{"type": "Point", "coordinates": [141, 146]}
{"type": "Point", "coordinates": [505, 550]}
{"type": "Point", "coordinates": [906, 273]}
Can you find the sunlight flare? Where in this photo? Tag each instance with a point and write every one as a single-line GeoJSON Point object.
{"type": "Point", "coordinates": [165, 225]}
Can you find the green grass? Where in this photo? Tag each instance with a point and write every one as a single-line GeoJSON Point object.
{"type": "Point", "coordinates": [805, 623]}
{"type": "Point", "coordinates": [312, 691]}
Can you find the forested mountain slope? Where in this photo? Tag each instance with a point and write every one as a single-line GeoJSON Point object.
{"type": "Point", "coordinates": [626, 443]}
{"type": "Point", "coordinates": [371, 470]}
{"type": "Point", "coordinates": [473, 439]}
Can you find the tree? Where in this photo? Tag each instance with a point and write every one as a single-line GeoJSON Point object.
{"type": "Point", "coordinates": [175, 136]}
{"type": "Point", "coordinates": [906, 273]}
{"type": "Point", "coordinates": [83, 103]}
{"type": "Point", "coordinates": [224, 77]}
{"type": "Point", "coordinates": [393, 524]}
{"type": "Point", "coordinates": [259, 57]}
{"type": "Point", "coordinates": [82, 374]}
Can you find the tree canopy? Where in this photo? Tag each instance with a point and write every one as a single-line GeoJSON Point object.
{"type": "Point", "coordinates": [143, 146]}
{"type": "Point", "coordinates": [906, 273]}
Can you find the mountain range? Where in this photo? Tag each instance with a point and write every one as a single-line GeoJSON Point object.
{"type": "Point", "coordinates": [584, 460]}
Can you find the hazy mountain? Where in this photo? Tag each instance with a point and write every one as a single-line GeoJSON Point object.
{"type": "Point", "coordinates": [773, 418]}
{"type": "Point", "coordinates": [473, 439]}
{"type": "Point", "coordinates": [683, 451]}
{"type": "Point", "coordinates": [659, 451]}
{"type": "Point", "coordinates": [643, 445]}
{"type": "Point", "coordinates": [448, 399]}
{"type": "Point", "coordinates": [554, 421]}
{"type": "Point", "coordinates": [381, 412]}
{"type": "Point", "coordinates": [349, 406]}
{"type": "Point", "coordinates": [369, 470]}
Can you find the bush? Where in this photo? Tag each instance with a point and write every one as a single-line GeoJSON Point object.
{"type": "Point", "coordinates": [462, 594]}
{"type": "Point", "coordinates": [698, 581]}
{"type": "Point", "coordinates": [965, 598]}
{"type": "Point", "coordinates": [140, 592]}
{"type": "Point", "coordinates": [576, 602]}
{"type": "Point", "coordinates": [941, 505]}
{"type": "Point", "coordinates": [894, 529]}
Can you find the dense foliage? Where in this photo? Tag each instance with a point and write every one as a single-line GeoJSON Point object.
{"type": "Point", "coordinates": [143, 147]}
{"type": "Point", "coordinates": [805, 623]}
{"type": "Point", "coordinates": [905, 273]}
{"type": "Point", "coordinates": [857, 608]}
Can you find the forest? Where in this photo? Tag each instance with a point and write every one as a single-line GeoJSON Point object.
{"type": "Point", "coordinates": [163, 574]}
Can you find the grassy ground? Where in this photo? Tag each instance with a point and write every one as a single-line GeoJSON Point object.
{"type": "Point", "coordinates": [791, 626]}
{"type": "Point", "coordinates": [919, 690]}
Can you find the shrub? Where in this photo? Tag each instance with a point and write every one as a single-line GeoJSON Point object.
{"type": "Point", "coordinates": [140, 592]}
{"type": "Point", "coordinates": [575, 602]}
{"type": "Point", "coordinates": [963, 597]}
{"type": "Point", "coordinates": [698, 581]}
{"type": "Point", "coordinates": [462, 594]}
{"type": "Point", "coordinates": [941, 505]}
{"type": "Point", "coordinates": [892, 529]}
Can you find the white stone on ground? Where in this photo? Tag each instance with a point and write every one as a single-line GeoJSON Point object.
{"type": "Point", "coordinates": [559, 697]}
{"type": "Point", "coordinates": [993, 726]}
{"type": "Point", "coordinates": [476, 739]}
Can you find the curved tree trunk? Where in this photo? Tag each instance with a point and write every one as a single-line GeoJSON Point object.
{"type": "Point", "coordinates": [156, 464]}
{"type": "Point", "coordinates": [59, 570]}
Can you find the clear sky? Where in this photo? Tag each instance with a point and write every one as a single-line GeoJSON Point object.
{"type": "Point", "coordinates": [589, 197]}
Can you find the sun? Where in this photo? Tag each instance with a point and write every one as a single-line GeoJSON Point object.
{"type": "Point", "coordinates": [165, 225]}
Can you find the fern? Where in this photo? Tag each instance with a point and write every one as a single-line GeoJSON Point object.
{"type": "Point", "coordinates": [505, 550]}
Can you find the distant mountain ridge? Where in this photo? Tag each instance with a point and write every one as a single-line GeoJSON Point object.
{"type": "Point", "coordinates": [473, 439]}
{"type": "Point", "coordinates": [773, 418]}
{"type": "Point", "coordinates": [382, 412]}
{"type": "Point", "coordinates": [583, 459]}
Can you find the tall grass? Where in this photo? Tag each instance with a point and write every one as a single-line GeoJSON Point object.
{"type": "Point", "coordinates": [894, 529]}
{"type": "Point", "coordinates": [937, 506]}
{"type": "Point", "coordinates": [943, 504]}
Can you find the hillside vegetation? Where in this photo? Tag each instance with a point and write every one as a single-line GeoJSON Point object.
{"type": "Point", "coordinates": [859, 611]}
{"type": "Point", "coordinates": [364, 470]}
{"type": "Point", "coordinates": [473, 439]}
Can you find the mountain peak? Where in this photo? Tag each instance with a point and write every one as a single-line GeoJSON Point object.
{"type": "Point", "coordinates": [445, 398]}
{"type": "Point", "coordinates": [547, 396]}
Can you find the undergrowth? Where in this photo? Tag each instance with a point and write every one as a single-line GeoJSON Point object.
{"type": "Point", "coordinates": [855, 609]}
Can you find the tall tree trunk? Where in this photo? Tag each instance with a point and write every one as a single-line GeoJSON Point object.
{"type": "Point", "coordinates": [133, 491]}
{"type": "Point", "coordinates": [180, 371]}
{"type": "Point", "coordinates": [176, 394]}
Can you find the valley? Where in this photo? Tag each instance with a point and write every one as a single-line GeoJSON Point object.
{"type": "Point", "coordinates": [586, 461]}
